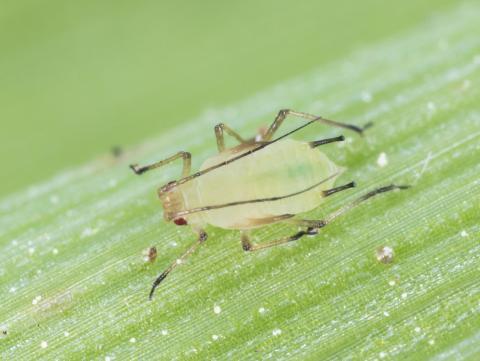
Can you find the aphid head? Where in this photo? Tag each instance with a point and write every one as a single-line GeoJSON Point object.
{"type": "Point", "coordinates": [172, 201]}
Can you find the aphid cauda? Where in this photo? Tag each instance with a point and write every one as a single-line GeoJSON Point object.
{"type": "Point", "coordinates": [261, 181]}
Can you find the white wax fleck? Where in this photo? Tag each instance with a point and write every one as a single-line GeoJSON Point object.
{"type": "Point", "coordinates": [366, 97]}
{"type": "Point", "coordinates": [382, 160]}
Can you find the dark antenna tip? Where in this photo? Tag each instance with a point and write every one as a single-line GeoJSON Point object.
{"type": "Point", "coordinates": [403, 186]}
{"type": "Point", "coordinates": [364, 128]}
{"type": "Point", "coordinates": [136, 170]}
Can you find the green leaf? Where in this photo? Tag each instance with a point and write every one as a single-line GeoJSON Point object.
{"type": "Point", "coordinates": [74, 284]}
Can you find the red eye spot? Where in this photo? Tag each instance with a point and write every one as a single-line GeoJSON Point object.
{"type": "Point", "coordinates": [180, 222]}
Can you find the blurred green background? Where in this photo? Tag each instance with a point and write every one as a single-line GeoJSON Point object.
{"type": "Point", "coordinates": [80, 77]}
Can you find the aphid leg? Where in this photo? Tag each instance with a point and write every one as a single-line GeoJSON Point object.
{"type": "Point", "coordinates": [220, 130]}
{"type": "Point", "coordinates": [187, 164]}
{"type": "Point", "coordinates": [362, 199]}
{"type": "Point", "coordinates": [284, 113]}
{"type": "Point", "coordinates": [202, 237]}
{"type": "Point", "coordinates": [313, 226]}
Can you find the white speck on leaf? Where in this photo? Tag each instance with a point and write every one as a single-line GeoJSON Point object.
{"type": "Point", "coordinates": [217, 309]}
{"type": "Point", "coordinates": [164, 332]}
{"type": "Point", "coordinates": [404, 295]}
{"type": "Point", "coordinates": [66, 334]}
{"type": "Point", "coordinates": [382, 354]}
{"type": "Point", "coordinates": [386, 313]}
{"type": "Point", "coordinates": [382, 160]}
{"type": "Point", "coordinates": [261, 310]}
{"type": "Point", "coordinates": [36, 300]}
{"type": "Point", "coordinates": [391, 282]}
{"type": "Point", "coordinates": [464, 233]}
{"type": "Point", "coordinates": [276, 332]}
{"type": "Point", "coordinates": [3, 331]}
{"type": "Point", "coordinates": [55, 251]}
{"type": "Point", "coordinates": [476, 60]}
{"type": "Point", "coordinates": [43, 344]}
{"type": "Point", "coordinates": [215, 337]}
{"type": "Point", "coordinates": [87, 232]}
{"type": "Point", "coordinates": [366, 96]}
{"type": "Point", "coordinates": [431, 342]}
{"type": "Point", "coordinates": [466, 84]}
{"type": "Point", "coordinates": [385, 254]}
{"type": "Point", "coordinates": [31, 250]}
{"type": "Point", "coordinates": [424, 167]}
{"type": "Point", "coordinates": [133, 340]}
{"type": "Point", "coordinates": [54, 199]}
{"type": "Point", "coordinates": [418, 329]}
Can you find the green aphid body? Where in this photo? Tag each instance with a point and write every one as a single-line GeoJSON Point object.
{"type": "Point", "coordinates": [281, 169]}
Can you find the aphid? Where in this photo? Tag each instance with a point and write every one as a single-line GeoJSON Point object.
{"type": "Point", "coordinates": [261, 181]}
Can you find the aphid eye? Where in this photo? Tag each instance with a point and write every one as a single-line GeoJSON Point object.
{"type": "Point", "coordinates": [180, 222]}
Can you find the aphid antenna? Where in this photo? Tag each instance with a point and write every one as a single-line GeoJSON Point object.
{"type": "Point", "coordinates": [363, 198]}
{"type": "Point", "coordinates": [243, 155]}
{"type": "Point", "coordinates": [327, 141]}
{"type": "Point", "coordinates": [352, 127]}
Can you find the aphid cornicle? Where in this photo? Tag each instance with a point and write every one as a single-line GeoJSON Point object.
{"type": "Point", "coordinates": [261, 181]}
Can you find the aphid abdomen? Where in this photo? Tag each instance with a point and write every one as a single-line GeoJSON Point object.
{"type": "Point", "coordinates": [281, 169]}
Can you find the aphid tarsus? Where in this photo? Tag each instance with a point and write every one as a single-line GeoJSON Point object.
{"type": "Point", "coordinates": [261, 181]}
